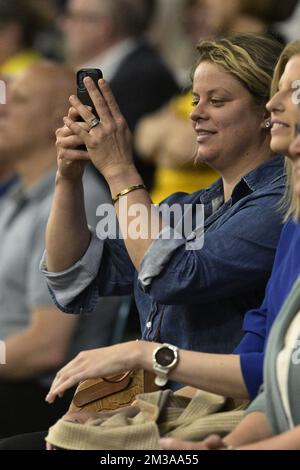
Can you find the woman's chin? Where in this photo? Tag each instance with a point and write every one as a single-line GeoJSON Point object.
{"type": "Point", "coordinates": [280, 146]}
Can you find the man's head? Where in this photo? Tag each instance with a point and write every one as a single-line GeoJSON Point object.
{"type": "Point", "coordinates": [91, 27]}
{"type": "Point", "coordinates": [36, 103]}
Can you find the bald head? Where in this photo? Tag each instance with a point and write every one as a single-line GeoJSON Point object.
{"type": "Point", "coordinates": [50, 82]}
{"type": "Point", "coordinates": [37, 102]}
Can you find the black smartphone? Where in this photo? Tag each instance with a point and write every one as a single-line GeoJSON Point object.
{"type": "Point", "coordinates": [297, 129]}
{"type": "Point", "coordinates": [82, 92]}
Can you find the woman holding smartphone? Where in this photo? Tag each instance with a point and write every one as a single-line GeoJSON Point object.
{"type": "Point", "coordinates": [190, 294]}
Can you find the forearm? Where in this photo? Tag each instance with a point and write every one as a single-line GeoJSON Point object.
{"type": "Point", "coordinates": [27, 356]}
{"type": "Point", "coordinates": [67, 234]}
{"type": "Point", "coordinates": [254, 427]}
{"type": "Point", "coordinates": [150, 223]}
{"type": "Point", "coordinates": [289, 440]}
{"type": "Point", "coordinates": [215, 373]}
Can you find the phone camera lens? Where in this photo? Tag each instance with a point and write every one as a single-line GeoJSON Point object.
{"type": "Point", "coordinates": [82, 76]}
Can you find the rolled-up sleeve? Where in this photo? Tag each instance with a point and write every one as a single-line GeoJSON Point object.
{"type": "Point", "coordinates": [158, 255]}
{"type": "Point", "coordinates": [251, 348]}
{"type": "Point", "coordinates": [67, 285]}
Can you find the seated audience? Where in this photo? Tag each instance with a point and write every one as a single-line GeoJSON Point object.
{"type": "Point", "coordinates": [38, 338]}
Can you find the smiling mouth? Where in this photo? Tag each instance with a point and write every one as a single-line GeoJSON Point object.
{"type": "Point", "coordinates": [279, 126]}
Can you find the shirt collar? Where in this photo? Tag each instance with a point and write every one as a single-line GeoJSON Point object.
{"type": "Point", "coordinates": [37, 192]}
{"type": "Point", "coordinates": [266, 173]}
{"type": "Point", "coordinates": [110, 61]}
{"type": "Point", "coordinates": [5, 187]}
{"type": "Point", "coordinates": [269, 171]}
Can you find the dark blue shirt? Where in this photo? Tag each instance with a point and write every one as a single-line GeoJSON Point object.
{"type": "Point", "coordinates": [258, 322]}
{"type": "Point", "coordinates": [195, 299]}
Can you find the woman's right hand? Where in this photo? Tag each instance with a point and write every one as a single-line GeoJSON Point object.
{"type": "Point", "coordinates": [70, 160]}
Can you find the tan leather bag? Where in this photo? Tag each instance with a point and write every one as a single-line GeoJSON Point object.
{"type": "Point", "coordinates": [112, 392]}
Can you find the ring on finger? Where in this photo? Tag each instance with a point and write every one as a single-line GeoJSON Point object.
{"type": "Point", "coordinates": [94, 123]}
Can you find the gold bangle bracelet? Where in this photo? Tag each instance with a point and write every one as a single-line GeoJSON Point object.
{"type": "Point", "coordinates": [127, 191]}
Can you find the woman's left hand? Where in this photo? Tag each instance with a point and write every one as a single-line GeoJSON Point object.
{"type": "Point", "coordinates": [109, 144]}
{"type": "Point", "coordinates": [93, 364]}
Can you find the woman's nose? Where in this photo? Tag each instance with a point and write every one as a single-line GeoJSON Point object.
{"type": "Point", "coordinates": [198, 113]}
{"type": "Point", "coordinates": [275, 104]}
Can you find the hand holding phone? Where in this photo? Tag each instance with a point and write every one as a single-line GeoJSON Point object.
{"type": "Point", "coordinates": [82, 93]}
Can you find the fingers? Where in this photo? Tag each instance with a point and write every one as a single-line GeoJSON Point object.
{"type": "Point", "coordinates": [74, 115]}
{"type": "Point", "coordinates": [73, 155]}
{"type": "Point", "coordinates": [177, 444]}
{"type": "Point", "coordinates": [76, 128]}
{"type": "Point", "coordinates": [69, 142]}
{"type": "Point", "coordinates": [59, 387]}
{"type": "Point", "coordinates": [98, 101]}
{"type": "Point", "coordinates": [214, 442]}
{"type": "Point", "coordinates": [110, 100]}
{"type": "Point", "coordinates": [68, 376]}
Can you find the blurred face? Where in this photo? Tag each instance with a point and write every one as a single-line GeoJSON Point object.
{"type": "Point", "coordinates": [285, 111]}
{"type": "Point", "coordinates": [221, 13]}
{"type": "Point", "coordinates": [25, 121]}
{"type": "Point", "coordinates": [82, 30]}
{"type": "Point", "coordinates": [197, 21]}
{"type": "Point", "coordinates": [225, 118]}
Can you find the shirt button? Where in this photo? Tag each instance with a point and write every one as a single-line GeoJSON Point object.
{"type": "Point", "coordinates": [149, 325]}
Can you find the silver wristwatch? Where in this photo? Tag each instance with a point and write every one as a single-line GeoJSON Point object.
{"type": "Point", "coordinates": [164, 359]}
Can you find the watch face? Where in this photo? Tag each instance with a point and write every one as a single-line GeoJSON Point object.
{"type": "Point", "coordinates": [165, 356]}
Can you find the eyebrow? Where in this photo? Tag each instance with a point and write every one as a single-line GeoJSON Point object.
{"type": "Point", "coordinates": [215, 90]}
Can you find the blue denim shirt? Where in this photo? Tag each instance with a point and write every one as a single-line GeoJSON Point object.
{"type": "Point", "coordinates": [195, 299]}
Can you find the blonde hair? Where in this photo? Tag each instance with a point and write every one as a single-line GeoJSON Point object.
{"type": "Point", "coordinates": [291, 202]}
{"type": "Point", "coordinates": [250, 58]}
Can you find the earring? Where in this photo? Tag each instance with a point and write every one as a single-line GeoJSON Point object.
{"type": "Point", "coordinates": [268, 124]}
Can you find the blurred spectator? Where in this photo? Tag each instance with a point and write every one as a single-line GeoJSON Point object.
{"type": "Point", "coordinates": [7, 173]}
{"type": "Point", "coordinates": [290, 27]}
{"type": "Point", "coordinates": [110, 35]}
{"type": "Point", "coordinates": [20, 23]}
{"type": "Point", "coordinates": [254, 16]}
{"type": "Point", "coordinates": [180, 24]}
{"type": "Point", "coordinates": [165, 137]}
{"type": "Point", "coordinates": [38, 337]}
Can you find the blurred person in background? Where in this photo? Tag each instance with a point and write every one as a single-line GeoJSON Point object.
{"type": "Point", "coordinates": [7, 171]}
{"type": "Point", "coordinates": [166, 137]}
{"type": "Point", "coordinates": [38, 337]}
{"type": "Point", "coordinates": [256, 16]}
{"type": "Point", "coordinates": [110, 35]}
{"type": "Point", "coordinates": [21, 21]}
